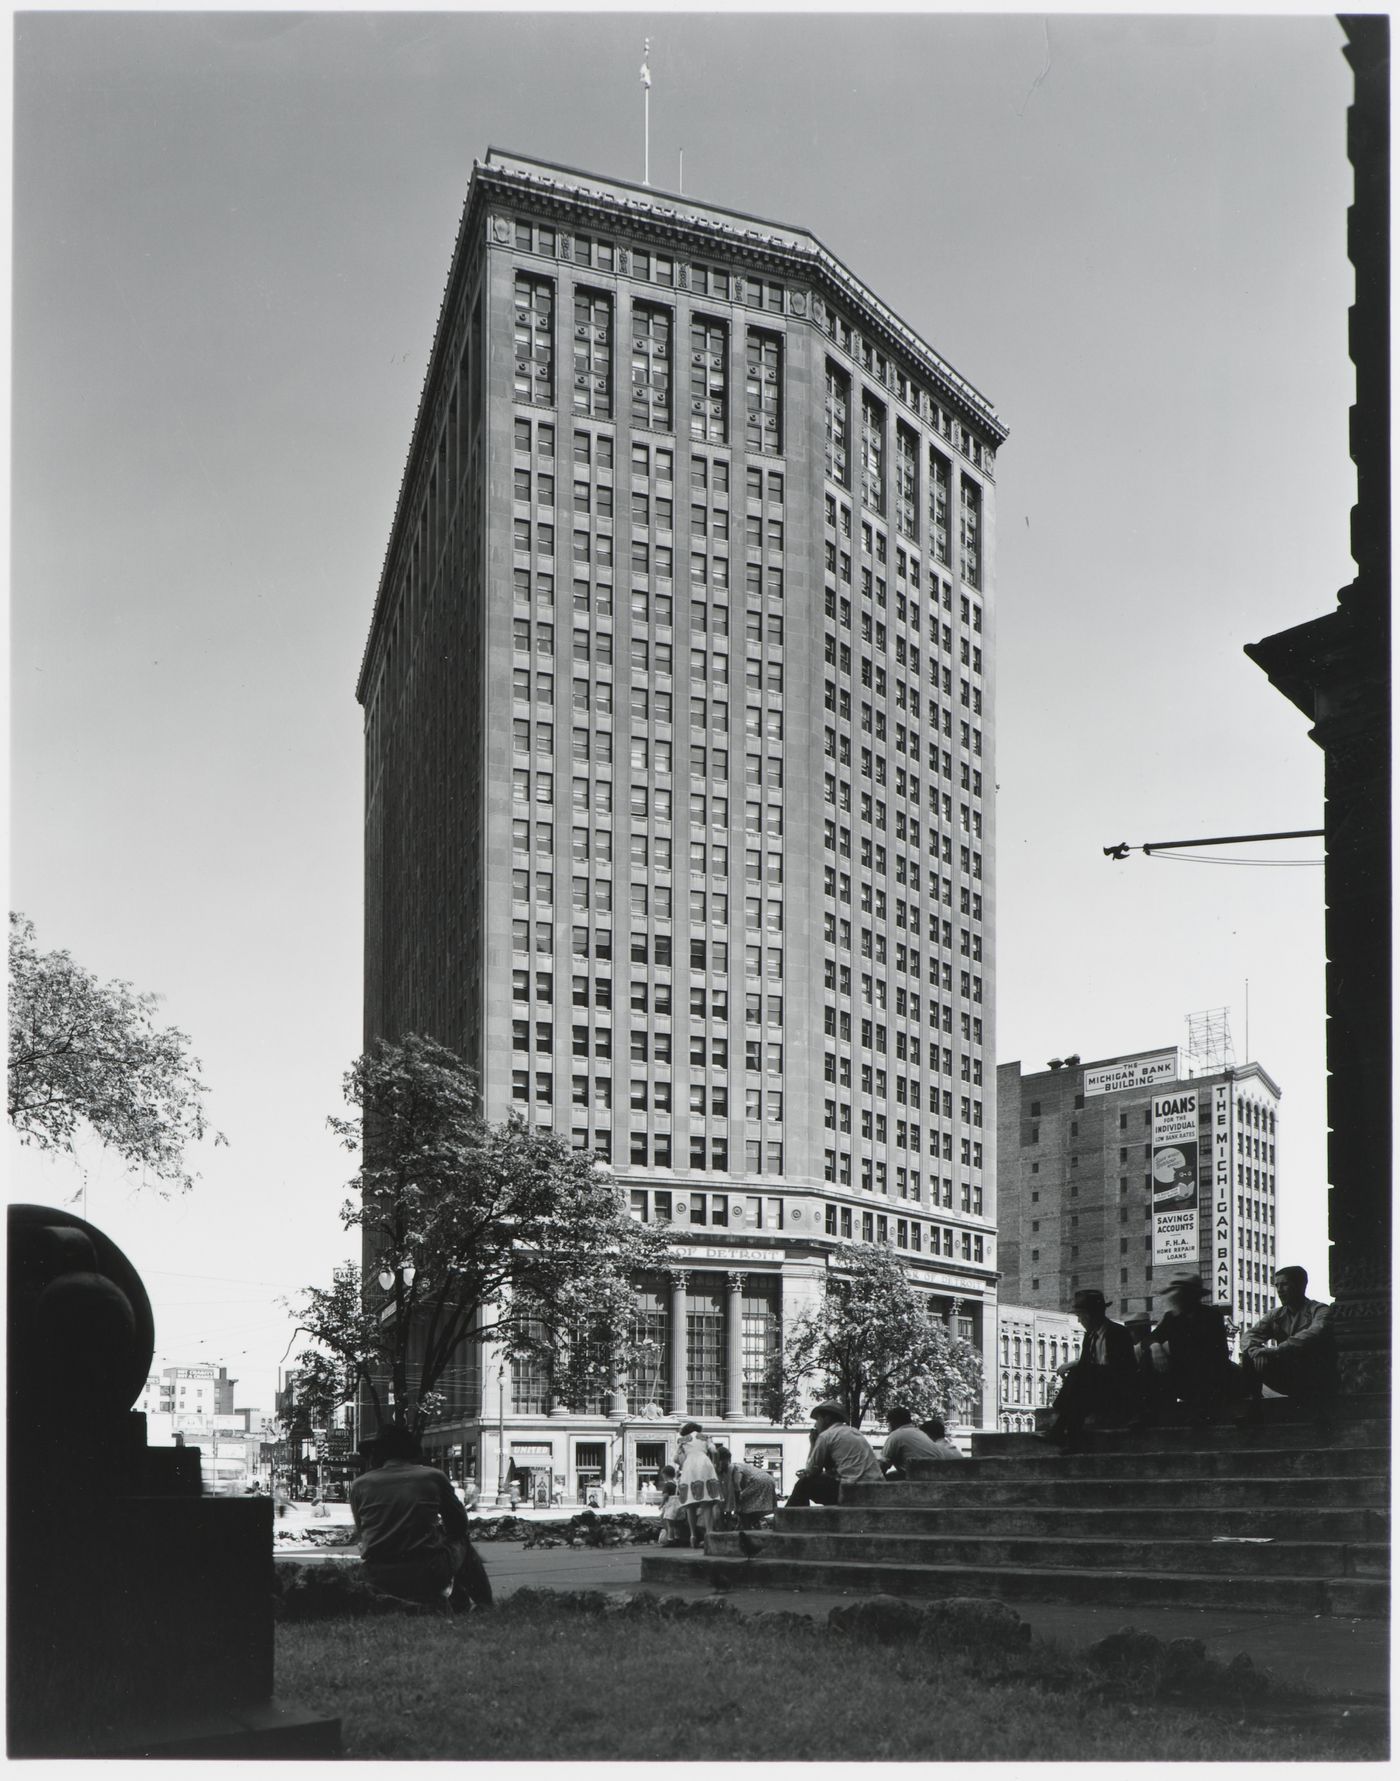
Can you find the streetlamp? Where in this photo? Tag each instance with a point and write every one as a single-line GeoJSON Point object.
{"type": "Point", "coordinates": [406, 1272]}
{"type": "Point", "coordinates": [502, 1494]}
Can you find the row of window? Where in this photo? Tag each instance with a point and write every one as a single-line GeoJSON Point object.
{"type": "Point", "coordinates": [650, 403]}
{"type": "Point", "coordinates": [837, 1164]}
{"type": "Point", "coordinates": [874, 1127]}
{"type": "Point", "coordinates": [907, 918]}
{"type": "Point", "coordinates": [859, 1225]}
{"type": "Point", "coordinates": [601, 254]}
{"type": "Point", "coordinates": [873, 584]}
{"type": "Point", "coordinates": [908, 1183]}
{"type": "Point", "coordinates": [874, 1083]}
{"type": "Point", "coordinates": [705, 954]}
{"type": "Point", "coordinates": [877, 364]}
{"type": "Point", "coordinates": [1049, 1351]}
{"type": "Point", "coordinates": [874, 484]}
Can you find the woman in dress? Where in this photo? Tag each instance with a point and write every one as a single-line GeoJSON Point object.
{"type": "Point", "coordinates": [697, 1481]}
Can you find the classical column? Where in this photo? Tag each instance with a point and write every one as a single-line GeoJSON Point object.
{"type": "Point", "coordinates": [679, 1402]}
{"type": "Point", "coordinates": [1335, 669]}
{"type": "Point", "coordinates": [734, 1344]}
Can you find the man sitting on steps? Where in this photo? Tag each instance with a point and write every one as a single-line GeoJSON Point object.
{"type": "Point", "coordinates": [1102, 1382]}
{"type": "Point", "coordinates": [1291, 1349]}
{"type": "Point", "coordinates": [838, 1455]}
{"type": "Point", "coordinates": [904, 1442]}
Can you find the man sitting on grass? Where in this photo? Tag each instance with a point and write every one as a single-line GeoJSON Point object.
{"type": "Point", "coordinates": [838, 1455]}
{"type": "Point", "coordinates": [412, 1529]}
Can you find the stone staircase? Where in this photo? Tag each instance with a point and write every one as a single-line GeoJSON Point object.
{"type": "Point", "coordinates": [1264, 1516]}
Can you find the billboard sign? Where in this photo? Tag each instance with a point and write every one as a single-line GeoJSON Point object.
{"type": "Point", "coordinates": [1176, 1188]}
{"type": "Point", "coordinates": [1222, 1276]}
{"type": "Point", "coordinates": [1132, 1072]}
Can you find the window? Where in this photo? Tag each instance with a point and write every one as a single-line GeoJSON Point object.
{"type": "Point", "coordinates": [970, 562]}
{"type": "Point", "coordinates": [704, 1318]}
{"type": "Point", "coordinates": [593, 350]}
{"type": "Point", "coordinates": [763, 366]}
{"type": "Point", "coordinates": [938, 475]}
{"type": "Point", "coordinates": [906, 482]}
{"type": "Point", "coordinates": [534, 339]}
{"type": "Point", "coordinates": [709, 357]}
{"type": "Point", "coordinates": [838, 425]}
{"type": "Point", "coordinates": [651, 366]}
{"type": "Point", "coordinates": [872, 453]}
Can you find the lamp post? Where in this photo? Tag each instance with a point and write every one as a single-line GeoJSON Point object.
{"type": "Point", "coordinates": [406, 1272]}
{"type": "Point", "coordinates": [502, 1494]}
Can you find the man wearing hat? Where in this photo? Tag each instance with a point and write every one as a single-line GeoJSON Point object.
{"type": "Point", "coordinates": [1102, 1382]}
{"type": "Point", "coordinates": [1197, 1344]}
{"type": "Point", "coordinates": [838, 1455]}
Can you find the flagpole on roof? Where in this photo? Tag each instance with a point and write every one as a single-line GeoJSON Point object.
{"type": "Point", "coordinates": [646, 112]}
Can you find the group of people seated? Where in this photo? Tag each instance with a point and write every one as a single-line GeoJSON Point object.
{"type": "Point", "coordinates": [1129, 1374]}
{"type": "Point", "coordinates": [840, 1454]}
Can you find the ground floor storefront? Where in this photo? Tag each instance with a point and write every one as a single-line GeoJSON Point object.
{"type": "Point", "coordinates": [709, 1327]}
{"type": "Point", "coordinates": [582, 1461]}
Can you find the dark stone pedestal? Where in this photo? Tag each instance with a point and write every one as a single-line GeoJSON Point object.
{"type": "Point", "coordinates": [140, 1612]}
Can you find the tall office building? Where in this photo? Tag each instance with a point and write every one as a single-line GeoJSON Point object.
{"type": "Point", "coordinates": [1082, 1189]}
{"type": "Point", "coordinates": [678, 729]}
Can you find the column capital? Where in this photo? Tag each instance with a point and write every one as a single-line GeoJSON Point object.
{"type": "Point", "coordinates": [735, 1279]}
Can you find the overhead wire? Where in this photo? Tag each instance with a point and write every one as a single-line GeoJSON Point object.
{"type": "Point", "coordinates": [1207, 859]}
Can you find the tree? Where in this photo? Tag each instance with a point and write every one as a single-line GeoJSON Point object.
{"type": "Point", "coordinates": [500, 1232]}
{"type": "Point", "coordinates": [871, 1344]}
{"type": "Point", "coordinates": [89, 1053]}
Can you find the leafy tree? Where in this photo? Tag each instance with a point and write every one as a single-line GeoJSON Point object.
{"type": "Point", "coordinates": [89, 1053]}
{"type": "Point", "coordinates": [871, 1344]}
{"type": "Point", "coordinates": [500, 1231]}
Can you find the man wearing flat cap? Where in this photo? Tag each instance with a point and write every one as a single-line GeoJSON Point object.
{"type": "Point", "coordinates": [838, 1455]}
{"type": "Point", "coordinates": [1102, 1382]}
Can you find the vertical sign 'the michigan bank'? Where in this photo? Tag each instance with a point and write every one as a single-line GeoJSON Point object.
{"type": "Point", "coordinates": [1220, 1175]}
{"type": "Point", "coordinates": [1175, 1180]}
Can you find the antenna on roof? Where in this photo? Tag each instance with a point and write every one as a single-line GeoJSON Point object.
{"type": "Point", "coordinates": [680, 176]}
{"type": "Point", "coordinates": [646, 112]}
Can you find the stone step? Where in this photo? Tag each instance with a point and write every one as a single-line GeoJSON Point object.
{"type": "Point", "coordinates": [1355, 1597]}
{"type": "Point", "coordinates": [1077, 1519]}
{"type": "Point", "coordinates": [968, 1487]}
{"type": "Point", "coordinates": [1223, 1462]}
{"type": "Point", "coordinates": [1169, 1437]}
{"type": "Point", "coordinates": [1357, 1419]}
{"type": "Point", "coordinates": [1289, 1558]}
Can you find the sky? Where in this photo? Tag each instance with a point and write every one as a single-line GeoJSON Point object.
{"type": "Point", "coordinates": [231, 234]}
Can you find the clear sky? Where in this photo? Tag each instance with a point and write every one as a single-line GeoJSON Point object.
{"type": "Point", "coordinates": [231, 236]}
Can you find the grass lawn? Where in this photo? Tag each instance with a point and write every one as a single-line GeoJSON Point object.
{"type": "Point", "coordinates": [537, 1684]}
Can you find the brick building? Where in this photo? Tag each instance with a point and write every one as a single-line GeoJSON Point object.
{"type": "Point", "coordinates": [678, 717]}
{"type": "Point", "coordinates": [1075, 1188]}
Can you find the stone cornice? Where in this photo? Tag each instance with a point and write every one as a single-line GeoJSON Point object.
{"type": "Point", "coordinates": [684, 220]}
{"type": "Point", "coordinates": [549, 189]}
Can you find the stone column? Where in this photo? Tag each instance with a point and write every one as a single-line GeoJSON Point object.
{"type": "Point", "coordinates": [1335, 669]}
{"type": "Point", "coordinates": [734, 1344]}
{"type": "Point", "coordinates": [679, 1402]}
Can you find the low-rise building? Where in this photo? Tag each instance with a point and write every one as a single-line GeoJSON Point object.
{"type": "Point", "coordinates": [1031, 1343]}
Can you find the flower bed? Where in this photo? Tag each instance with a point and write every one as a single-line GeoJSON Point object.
{"type": "Point", "coordinates": [587, 1528]}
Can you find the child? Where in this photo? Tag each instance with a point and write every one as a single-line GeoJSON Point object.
{"type": "Point", "coordinates": [674, 1531]}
